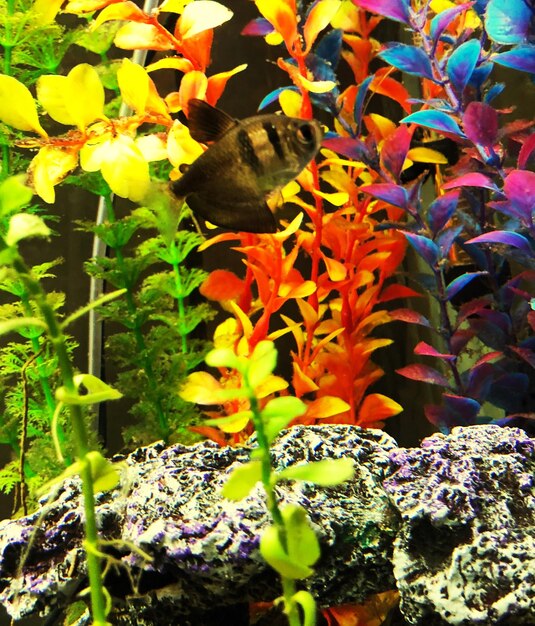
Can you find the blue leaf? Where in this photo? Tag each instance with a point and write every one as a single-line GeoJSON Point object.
{"type": "Point", "coordinates": [462, 63]}
{"type": "Point", "coordinates": [437, 120]}
{"type": "Point", "coordinates": [508, 21]}
{"type": "Point", "coordinates": [505, 237]}
{"type": "Point", "coordinates": [519, 58]}
{"type": "Point", "coordinates": [393, 194]}
{"type": "Point", "coordinates": [274, 96]}
{"type": "Point", "coordinates": [448, 238]}
{"type": "Point", "coordinates": [425, 247]}
{"type": "Point", "coordinates": [359, 100]}
{"type": "Point", "coordinates": [408, 59]}
{"type": "Point", "coordinates": [480, 75]}
{"type": "Point", "coordinates": [460, 282]}
{"type": "Point", "coordinates": [330, 47]}
{"type": "Point", "coordinates": [493, 92]}
{"type": "Point", "coordinates": [441, 210]}
{"type": "Point", "coordinates": [352, 148]}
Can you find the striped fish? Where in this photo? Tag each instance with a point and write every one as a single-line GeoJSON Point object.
{"type": "Point", "coordinates": [229, 183]}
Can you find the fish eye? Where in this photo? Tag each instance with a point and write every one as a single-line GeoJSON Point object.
{"type": "Point", "coordinates": [305, 133]}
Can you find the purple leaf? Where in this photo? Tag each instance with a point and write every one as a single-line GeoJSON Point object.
{"type": "Point", "coordinates": [409, 316]}
{"type": "Point", "coordinates": [423, 348]}
{"type": "Point", "coordinates": [394, 150]}
{"type": "Point", "coordinates": [526, 151]}
{"type": "Point", "coordinates": [520, 58]}
{"type": "Point", "coordinates": [393, 194]}
{"type": "Point", "coordinates": [409, 59]}
{"type": "Point", "coordinates": [474, 179]}
{"type": "Point", "coordinates": [424, 374]}
{"type": "Point", "coordinates": [459, 339]}
{"type": "Point", "coordinates": [425, 247]}
{"type": "Point", "coordinates": [258, 27]}
{"type": "Point", "coordinates": [441, 21]}
{"type": "Point", "coordinates": [505, 237]}
{"type": "Point", "coordinates": [480, 123]}
{"type": "Point", "coordinates": [397, 10]}
{"type": "Point", "coordinates": [441, 210]}
{"type": "Point", "coordinates": [447, 239]}
{"type": "Point", "coordinates": [437, 120]}
{"type": "Point", "coordinates": [508, 21]}
{"type": "Point", "coordinates": [457, 411]}
{"type": "Point", "coordinates": [347, 146]}
{"type": "Point", "coordinates": [462, 63]}
{"type": "Point", "coordinates": [519, 187]}
{"type": "Point", "coordinates": [460, 282]}
{"type": "Point", "coordinates": [480, 379]}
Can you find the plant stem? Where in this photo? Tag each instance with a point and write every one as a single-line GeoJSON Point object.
{"type": "Point", "coordinates": [175, 264]}
{"type": "Point", "coordinates": [59, 342]}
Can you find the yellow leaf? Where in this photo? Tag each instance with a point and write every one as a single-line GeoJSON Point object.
{"type": "Point", "coordinates": [121, 11]}
{"type": "Point", "coordinates": [171, 63]}
{"type": "Point", "coordinates": [48, 168]}
{"type": "Point", "coordinates": [84, 95]}
{"type": "Point", "coordinates": [50, 93]}
{"type": "Point", "coordinates": [233, 423]}
{"type": "Point", "coordinates": [385, 126]}
{"type": "Point", "coordinates": [202, 15]}
{"type": "Point", "coordinates": [347, 16]}
{"type": "Point", "coordinates": [136, 36]}
{"type": "Point", "coordinates": [337, 271]}
{"type": "Point", "coordinates": [318, 19]}
{"type": "Point", "coordinates": [181, 148]}
{"type": "Point", "coordinates": [426, 155]}
{"type": "Point", "coordinates": [290, 102]}
{"type": "Point", "coordinates": [153, 147]}
{"type": "Point", "coordinates": [274, 38]}
{"type": "Point", "coordinates": [270, 385]}
{"type": "Point", "coordinates": [282, 16]}
{"type": "Point", "coordinates": [17, 106]}
{"type": "Point", "coordinates": [173, 6]}
{"type": "Point", "coordinates": [125, 169]}
{"type": "Point", "coordinates": [201, 388]}
{"type": "Point", "coordinates": [326, 406]}
{"type": "Point", "coordinates": [244, 320]}
{"type": "Point", "coordinates": [338, 198]}
{"type": "Point", "coordinates": [46, 10]}
{"type": "Point", "coordinates": [133, 83]}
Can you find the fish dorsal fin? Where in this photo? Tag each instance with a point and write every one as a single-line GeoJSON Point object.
{"type": "Point", "coordinates": [206, 123]}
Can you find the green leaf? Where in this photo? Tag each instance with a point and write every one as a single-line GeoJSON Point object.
{"type": "Point", "coordinates": [14, 194]}
{"type": "Point", "coordinates": [224, 357]}
{"type": "Point", "coordinates": [278, 413]}
{"type": "Point", "coordinates": [303, 545]}
{"type": "Point", "coordinates": [242, 480]}
{"type": "Point", "coordinates": [20, 323]}
{"type": "Point", "coordinates": [24, 226]}
{"type": "Point", "coordinates": [98, 302]}
{"type": "Point", "coordinates": [325, 473]}
{"type": "Point", "coordinates": [97, 391]}
{"type": "Point", "coordinates": [273, 552]}
{"type": "Point", "coordinates": [262, 362]}
{"type": "Point", "coordinates": [105, 474]}
{"type": "Point", "coordinates": [165, 210]}
{"type": "Point", "coordinates": [308, 606]}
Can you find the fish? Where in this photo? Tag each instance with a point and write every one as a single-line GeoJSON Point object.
{"type": "Point", "coordinates": [250, 159]}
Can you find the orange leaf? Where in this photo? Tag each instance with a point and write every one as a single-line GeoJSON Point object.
{"type": "Point", "coordinates": [198, 49]}
{"type": "Point", "coordinates": [326, 406]}
{"type": "Point", "coordinates": [222, 285]}
{"type": "Point", "coordinates": [217, 83]}
{"type": "Point", "coordinates": [193, 85]}
{"type": "Point", "coordinates": [302, 383]}
{"type": "Point", "coordinates": [377, 407]}
{"type": "Point", "coordinates": [282, 15]}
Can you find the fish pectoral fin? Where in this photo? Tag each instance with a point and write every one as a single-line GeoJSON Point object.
{"type": "Point", "coordinates": [206, 123]}
{"type": "Point", "coordinates": [251, 215]}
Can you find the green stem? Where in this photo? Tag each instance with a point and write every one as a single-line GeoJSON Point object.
{"type": "Point", "coordinates": [180, 299]}
{"type": "Point", "coordinates": [59, 342]}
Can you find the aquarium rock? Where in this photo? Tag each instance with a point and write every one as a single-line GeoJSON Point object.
{"type": "Point", "coordinates": [465, 550]}
{"type": "Point", "coordinates": [451, 524]}
{"type": "Point", "coordinates": [178, 548]}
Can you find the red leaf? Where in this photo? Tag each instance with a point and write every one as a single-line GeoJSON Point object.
{"type": "Point", "coordinates": [392, 292]}
{"type": "Point", "coordinates": [424, 374]}
{"type": "Point", "coordinates": [410, 316]}
{"type": "Point", "coordinates": [222, 285]}
{"type": "Point", "coordinates": [427, 350]}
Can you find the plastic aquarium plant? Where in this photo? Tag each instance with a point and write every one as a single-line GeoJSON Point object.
{"type": "Point", "coordinates": [289, 545]}
{"type": "Point", "coordinates": [483, 210]}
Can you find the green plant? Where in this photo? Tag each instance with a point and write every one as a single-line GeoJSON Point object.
{"type": "Point", "coordinates": [289, 545]}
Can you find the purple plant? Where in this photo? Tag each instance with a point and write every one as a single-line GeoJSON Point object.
{"type": "Point", "coordinates": [483, 213]}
